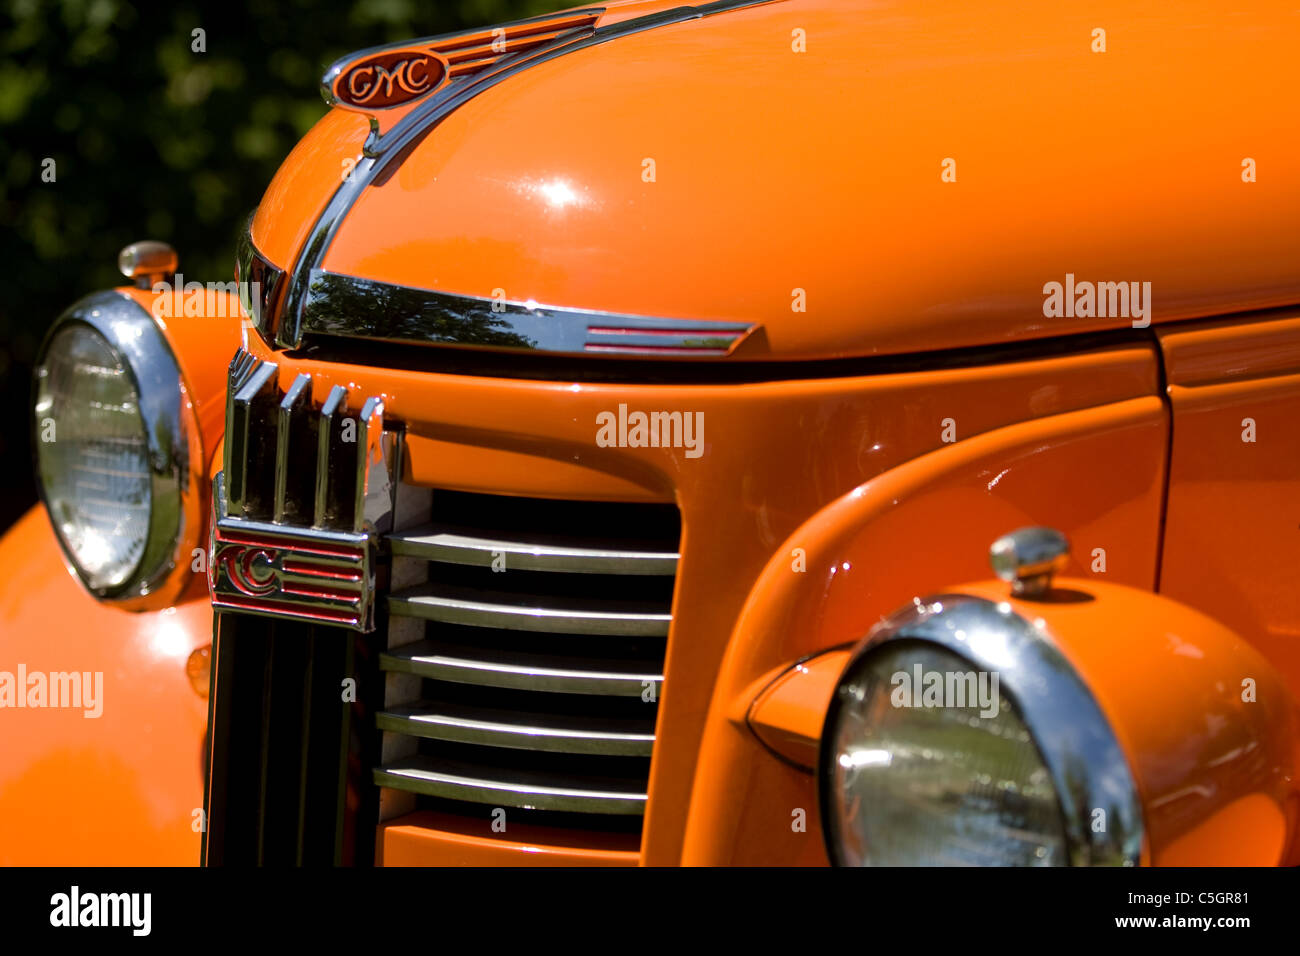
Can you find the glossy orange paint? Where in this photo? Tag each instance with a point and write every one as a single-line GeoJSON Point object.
{"type": "Point", "coordinates": [789, 449]}
{"type": "Point", "coordinates": [202, 344]}
{"type": "Point", "coordinates": [1261, 345]}
{"type": "Point", "coordinates": [788, 713]}
{"type": "Point", "coordinates": [776, 171]}
{"type": "Point", "coordinates": [331, 149]}
{"type": "Point", "coordinates": [119, 789]}
{"type": "Point", "coordinates": [907, 532]}
{"type": "Point", "coordinates": [425, 839]}
{"type": "Point", "coordinates": [305, 183]}
{"type": "Point", "coordinates": [1215, 759]}
{"type": "Point", "coordinates": [141, 759]}
{"type": "Point", "coordinates": [537, 188]}
{"type": "Point", "coordinates": [1232, 543]}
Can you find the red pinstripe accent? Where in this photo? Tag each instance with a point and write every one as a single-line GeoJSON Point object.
{"type": "Point", "coordinates": [284, 610]}
{"type": "Point", "coordinates": [298, 567]}
{"type": "Point", "coordinates": [279, 544]}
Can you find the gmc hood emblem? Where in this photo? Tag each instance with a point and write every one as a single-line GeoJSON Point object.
{"type": "Point", "coordinates": [389, 79]}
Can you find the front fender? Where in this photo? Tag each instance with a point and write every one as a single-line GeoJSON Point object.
{"type": "Point", "coordinates": [1097, 474]}
{"type": "Point", "coordinates": [120, 788]}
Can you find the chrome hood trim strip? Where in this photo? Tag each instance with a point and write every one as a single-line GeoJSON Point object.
{"type": "Point", "coordinates": [362, 308]}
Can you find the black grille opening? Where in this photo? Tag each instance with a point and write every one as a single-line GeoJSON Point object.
{"type": "Point", "coordinates": [287, 782]}
{"type": "Point", "coordinates": [550, 519]}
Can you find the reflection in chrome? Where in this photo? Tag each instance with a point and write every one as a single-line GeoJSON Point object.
{"type": "Point", "coordinates": [531, 552]}
{"type": "Point", "coordinates": [1077, 744]}
{"type": "Point", "coordinates": [1028, 558]}
{"type": "Point", "coordinates": [499, 727]}
{"type": "Point", "coordinates": [451, 605]}
{"type": "Point", "coordinates": [147, 262]}
{"type": "Point", "coordinates": [258, 280]}
{"type": "Point", "coordinates": [363, 308]}
{"type": "Point", "coordinates": [486, 666]}
{"type": "Point", "coordinates": [530, 789]}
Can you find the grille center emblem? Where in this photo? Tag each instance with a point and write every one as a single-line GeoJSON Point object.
{"type": "Point", "coordinates": [294, 535]}
{"type": "Point", "coordinates": [284, 571]}
{"type": "Point", "coordinates": [250, 570]}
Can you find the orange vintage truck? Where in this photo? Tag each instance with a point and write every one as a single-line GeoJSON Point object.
{"type": "Point", "coordinates": [604, 462]}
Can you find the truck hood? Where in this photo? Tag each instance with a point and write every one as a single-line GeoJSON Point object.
{"type": "Point", "coordinates": [849, 178]}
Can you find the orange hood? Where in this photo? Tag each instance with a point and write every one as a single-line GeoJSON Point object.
{"type": "Point", "coordinates": [854, 177]}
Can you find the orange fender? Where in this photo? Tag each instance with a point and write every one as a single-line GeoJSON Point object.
{"type": "Point", "coordinates": [120, 788]}
{"type": "Point", "coordinates": [910, 531]}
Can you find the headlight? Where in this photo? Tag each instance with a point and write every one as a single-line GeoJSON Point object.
{"type": "Point", "coordinates": [960, 735]}
{"type": "Point", "coordinates": [94, 465]}
{"type": "Point", "coordinates": [115, 442]}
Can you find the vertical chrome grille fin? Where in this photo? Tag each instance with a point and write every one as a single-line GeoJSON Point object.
{"type": "Point", "coordinates": [241, 448]}
{"type": "Point", "coordinates": [370, 461]}
{"type": "Point", "coordinates": [291, 415]}
{"type": "Point", "coordinates": [330, 426]}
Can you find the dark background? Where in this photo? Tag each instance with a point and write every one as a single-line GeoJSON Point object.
{"type": "Point", "coordinates": [152, 140]}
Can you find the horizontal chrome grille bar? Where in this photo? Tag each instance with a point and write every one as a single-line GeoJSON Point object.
{"type": "Point", "coordinates": [529, 789]}
{"type": "Point", "coordinates": [521, 554]}
{"type": "Point", "coordinates": [525, 659]}
{"type": "Point", "coordinates": [513, 612]}
{"type": "Point", "coordinates": [487, 726]}
{"type": "Point", "coordinates": [541, 672]}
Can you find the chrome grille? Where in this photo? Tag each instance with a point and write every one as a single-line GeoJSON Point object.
{"type": "Point", "coordinates": [524, 657]}
{"type": "Point", "coordinates": [305, 491]}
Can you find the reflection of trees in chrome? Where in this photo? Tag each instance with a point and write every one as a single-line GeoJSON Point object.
{"type": "Point", "coordinates": [1107, 846]}
{"type": "Point", "coordinates": [341, 305]}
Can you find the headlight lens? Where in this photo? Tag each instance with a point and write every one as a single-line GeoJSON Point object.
{"type": "Point", "coordinates": [908, 784]}
{"type": "Point", "coordinates": [118, 453]}
{"type": "Point", "coordinates": [93, 455]}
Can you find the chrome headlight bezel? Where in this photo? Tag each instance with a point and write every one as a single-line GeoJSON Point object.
{"type": "Point", "coordinates": [1075, 740]}
{"type": "Point", "coordinates": [173, 443]}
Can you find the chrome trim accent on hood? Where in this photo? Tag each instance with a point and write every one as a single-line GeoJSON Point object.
{"type": "Point", "coordinates": [362, 308]}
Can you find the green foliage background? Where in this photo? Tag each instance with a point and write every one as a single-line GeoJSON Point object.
{"type": "Point", "coordinates": [152, 140]}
